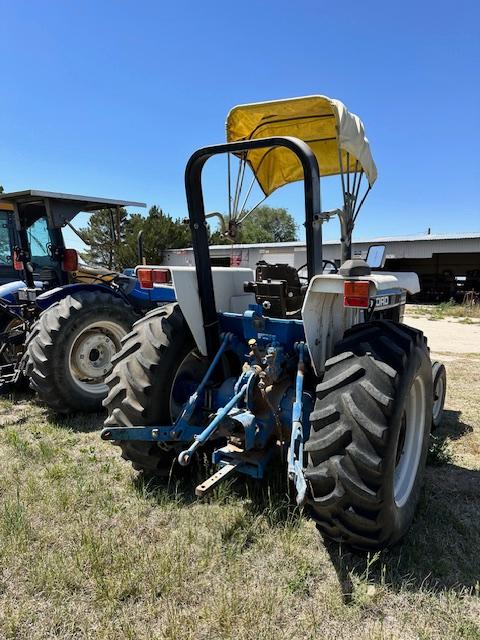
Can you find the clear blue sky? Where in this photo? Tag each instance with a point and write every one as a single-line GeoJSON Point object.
{"type": "Point", "coordinates": [111, 97]}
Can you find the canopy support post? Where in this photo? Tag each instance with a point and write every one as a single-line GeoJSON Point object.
{"type": "Point", "coordinates": [346, 229]}
{"type": "Point", "coordinates": [345, 215]}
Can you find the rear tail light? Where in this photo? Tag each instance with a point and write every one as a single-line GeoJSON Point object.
{"type": "Point", "coordinates": [161, 276]}
{"type": "Point", "coordinates": [355, 294]}
{"type": "Point", "coordinates": [69, 260]}
{"type": "Point", "coordinates": [149, 277]}
{"type": "Point", "coordinates": [17, 263]}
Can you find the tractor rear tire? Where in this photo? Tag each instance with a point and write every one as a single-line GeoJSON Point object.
{"type": "Point", "coordinates": [70, 347]}
{"type": "Point", "coordinates": [369, 435]}
{"type": "Point", "coordinates": [141, 383]}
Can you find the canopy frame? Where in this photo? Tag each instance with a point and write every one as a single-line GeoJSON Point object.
{"type": "Point", "coordinates": [337, 140]}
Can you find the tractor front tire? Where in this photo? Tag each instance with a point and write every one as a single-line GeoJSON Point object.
{"type": "Point", "coordinates": [369, 435]}
{"type": "Point", "coordinates": [70, 349]}
{"type": "Point", "coordinates": [141, 384]}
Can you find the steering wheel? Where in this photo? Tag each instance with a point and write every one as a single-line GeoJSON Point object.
{"type": "Point", "coordinates": [324, 264]}
{"type": "Point", "coordinates": [330, 262]}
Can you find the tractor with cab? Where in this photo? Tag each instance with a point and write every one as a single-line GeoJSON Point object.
{"type": "Point", "coordinates": [61, 321]}
{"type": "Point", "coordinates": [321, 370]}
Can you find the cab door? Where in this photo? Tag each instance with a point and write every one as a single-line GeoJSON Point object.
{"type": "Point", "coordinates": [7, 242]}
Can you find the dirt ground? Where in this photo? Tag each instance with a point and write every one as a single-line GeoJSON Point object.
{"type": "Point", "coordinates": [91, 551]}
{"type": "Point", "coordinates": [448, 335]}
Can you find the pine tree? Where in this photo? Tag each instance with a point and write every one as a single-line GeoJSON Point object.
{"type": "Point", "coordinates": [104, 234]}
{"type": "Point", "coordinates": [160, 232]}
{"type": "Point", "coordinates": [265, 224]}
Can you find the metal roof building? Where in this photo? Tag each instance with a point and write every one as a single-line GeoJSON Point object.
{"type": "Point", "coordinates": [414, 247]}
{"type": "Point", "coordinates": [441, 260]}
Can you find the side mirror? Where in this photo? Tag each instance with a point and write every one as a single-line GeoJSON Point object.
{"type": "Point", "coordinates": [376, 256]}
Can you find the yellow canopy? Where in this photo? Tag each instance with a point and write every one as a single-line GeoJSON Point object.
{"type": "Point", "coordinates": [325, 124]}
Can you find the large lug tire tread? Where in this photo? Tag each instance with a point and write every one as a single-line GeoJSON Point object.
{"type": "Point", "coordinates": [355, 426]}
{"type": "Point", "coordinates": [49, 340]}
{"type": "Point", "coordinates": [141, 380]}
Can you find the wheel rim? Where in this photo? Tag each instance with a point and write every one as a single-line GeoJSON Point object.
{"type": "Point", "coordinates": [438, 394]}
{"type": "Point", "coordinates": [90, 357]}
{"type": "Point", "coordinates": [187, 378]}
{"type": "Point", "coordinates": [410, 443]}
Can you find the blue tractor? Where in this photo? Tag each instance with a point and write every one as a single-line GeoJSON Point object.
{"type": "Point", "coordinates": [61, 321]}
{"type": "Point", "coordinates": [320, 369]}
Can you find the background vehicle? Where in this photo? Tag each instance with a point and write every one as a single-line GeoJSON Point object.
{"type": "Point", "coordinates": [324, 373]}
{"type": "Point", "coordinates": [66, 350]}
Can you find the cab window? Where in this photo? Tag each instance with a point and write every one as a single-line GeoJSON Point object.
{"type": "Point", "coordinates": [5, 249]}
{"type": "Point", "coordinates": [39, 239]}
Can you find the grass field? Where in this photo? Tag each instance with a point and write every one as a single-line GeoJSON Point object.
{"type": "Point", "coordinates": [87, 550]}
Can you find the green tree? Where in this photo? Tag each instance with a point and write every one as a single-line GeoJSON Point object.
{"type": "Point", "coordinates": [265, 224]}
{"type": "Point", "coordinates": [160, 232]}
{"type": "Point", "coordinates": [104, 234]}
{"type": "Point", "coordinates": [1, 189]}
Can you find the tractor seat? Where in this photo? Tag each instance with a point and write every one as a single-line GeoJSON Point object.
{"type": "Point", "coordinates": [89, 274]}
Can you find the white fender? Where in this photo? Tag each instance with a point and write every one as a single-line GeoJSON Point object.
{"type": "Point", "coordinates": [325, 318]}
{"type": "Point", "coordinates": [229, 295]}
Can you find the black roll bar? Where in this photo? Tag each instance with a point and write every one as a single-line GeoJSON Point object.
{"type": "Point", "coordinates": [198, 226]}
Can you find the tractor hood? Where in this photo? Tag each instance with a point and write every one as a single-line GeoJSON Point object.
{"type": "Point", "coordinates": [336, 136]}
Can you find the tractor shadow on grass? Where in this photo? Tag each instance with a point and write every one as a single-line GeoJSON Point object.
{"type": "Point", "coordinates": [270, 498]}
{"type": "Point", "coordinates": [453, 427]}
{"type": "Point", "coordinates": [442, 549]}
{"type": "Point", "coordinates": [22, 397]}
{"type": "Point", "coordinates": [25, 398]}
{"type": "Point", "coordinates": [78, 422]}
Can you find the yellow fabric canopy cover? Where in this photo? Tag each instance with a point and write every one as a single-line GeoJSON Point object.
{"type": "Point", "coordinates": [324, 124]}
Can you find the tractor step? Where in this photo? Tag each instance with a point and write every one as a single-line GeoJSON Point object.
{"type": "Point", "coordinates": [217, 477]}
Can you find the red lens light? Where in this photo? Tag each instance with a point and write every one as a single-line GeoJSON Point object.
{"type": "Point", "coordinates": [17, 264]}
{"type": "Point", "coordinates": [356, 294]}
{"type": "Point", "coordinates": [70, 260]}
{"type": "Point", "coordinates": [145, 277]}
{"type": "Point", "coordinates": [161, 276]}
{"type": "Point", "coordinates": [149, 277]}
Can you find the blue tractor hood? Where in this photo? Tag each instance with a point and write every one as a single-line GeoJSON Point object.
{"type": "Point", "coordinates": [148, 297]}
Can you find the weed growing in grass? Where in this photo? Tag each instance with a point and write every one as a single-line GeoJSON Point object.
{"type": "Point", "coordinates": [439, 452]}
{"type": "Point", "coordinates": [301, 584]}
{"type": "Point", "coordinates": [14, 520]}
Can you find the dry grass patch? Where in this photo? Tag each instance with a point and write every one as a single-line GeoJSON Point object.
{"type": "Point", "coordinates": [466, 314]}
{"type": "Point", "coordinates": [89, 550]}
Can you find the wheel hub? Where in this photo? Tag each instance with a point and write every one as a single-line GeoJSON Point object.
{"type": "Point", "coordinates": [187, 378]}
{"type": "Point", "coordinates": [90, 358]}
{"type": "Point", "coordinates": [93, 354]}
